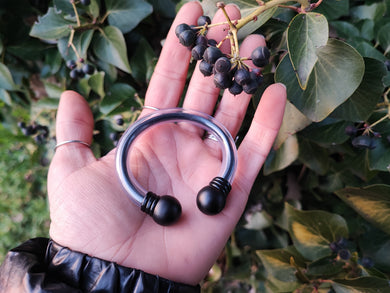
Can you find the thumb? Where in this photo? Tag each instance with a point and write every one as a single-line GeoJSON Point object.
{"type": "Point", "coordinates": [74, 122]}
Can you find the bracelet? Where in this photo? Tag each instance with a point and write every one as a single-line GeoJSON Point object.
{"type": "Point", "coordinates": [166, 209]}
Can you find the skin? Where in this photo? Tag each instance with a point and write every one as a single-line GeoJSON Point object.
{"type": "Point", "coordinates": [91, 213]}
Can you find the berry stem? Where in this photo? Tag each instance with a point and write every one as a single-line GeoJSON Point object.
{"type": "Point", "coordinates": [76, 13]}
{"type": "Point", "coordinates": [305, 5]}
{"type": "Point", "coordinates": [70, 44]}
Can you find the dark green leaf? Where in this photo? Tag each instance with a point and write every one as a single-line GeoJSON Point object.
{"type": "Point", "coordinates": [384, 38]}
{"type": "Point", "coordinates": [371, 202]}
{"type": "Point", "coordinates": [313, 231]}
{"type": "Point", "coordinates": [328, 131]}
{"type": "Point", "coordinates": [374, 11]}
{"type": "Point", "coordinates": [119, 94]}
{"type": "Point", "coordinates": [327, 266]}
{"type": "Point", "coordinates": [281, 272]}
{"type": "Point", "coordinates": [81, 41]}
{"type": "Point", "coordinates": [254, 25]}
{"type": "Point", "coordinates": [363, 101]}
{"type": "Point", "coordinates": [336, 75]}
{"type": "Point", "coordinates": [333, 9]}
{"type": "Point", "coordinates": [5, 97]}
{"type": "Point", "coordinates": [367, 50]}
{"type": "Point", "coordinates": [110, 47]}
{"type": "Point", "coordinates": [379, 157]}
{"type": "Point", "coordinates": [293, 121]}
{"type": "Point", "coordinates": [51, 26]}
{"type": "Point", "coordinates": [96, 82]}
{"type": "Point", "coordinates": [142, 62]}
{"type": "Point", "coordinates": [6, 80]}
{"type": "Point", "coordinates": [306, 33]}
{"type": "Point", "coordinates": [345, 29]}
{"type": "Point", "coordinates": [313, 156]}
{"type": "Point", "coordinates": [127, 14]}
{"type": "Point", "coordinates": [361, 285]}
{"type": "Point", "coordinates": [283, 156]}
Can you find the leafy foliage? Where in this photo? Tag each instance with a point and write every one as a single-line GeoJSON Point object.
{"type": "Point", "coordinates": [318, 215]}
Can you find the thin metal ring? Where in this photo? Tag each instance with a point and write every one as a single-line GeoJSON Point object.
{"type": "Point", "coordinates": [229, 152]}
{"type": "Point", "coordinates": [71, 141]}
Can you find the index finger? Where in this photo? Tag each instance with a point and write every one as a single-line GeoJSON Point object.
{"type": "Point", "coordinates": [170, 74]}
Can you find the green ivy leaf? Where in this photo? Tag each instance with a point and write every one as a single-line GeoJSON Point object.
{"type": "Point", "coordinates": [313, 231]}
{"type": "Point", "coordinates": [110, 47]}
{"type": "Point", "coordinates": [333, 9]}
{"type": "Point", "coordinates": [384, 38]}
{"type": "Point", "coordinates": [314, 156]}
{"type": "Point", "coordinates": [281, 272]}
{"type": "Point", "coordinates": [96, 82]}
{"type": "Point", "coordinates": [283, 156]}
{"type": "Point", "coordinates": [345, 29]}
{"type": "Point", "coordinates": [379, 157]}
{"type": "Point", "coordinates": [5, 97]}
{"type": "Point", "coordinates": [374, 11]}
{"type": "Point", "coordinates": [143, 61]}
{"type": "Point", "coordinates": [81, 41]}
{"type": "Point", "coordinates": [51, 26]}
{"type": "Point", "coordinates": [336, 75]}
{"type": "Point", "coordinates": [327, 266]}
{"type": "Point", "coordinates": [127, 14]}
{"type": "Point", "coordinates": [6, 80]}
{"type": "Point", "coordinates": [361, 285]}
{"type": "Point", "coordinates": [371, 202]}
{"type": "Point", "coordinates": [119, 94]}
{"type": "Point", "coordinates": [367, 50]}
{"type": "Point", "coordinates": [293, 121]}
{"type": "Point", "coordinates": [328, 132]}
{"type": "Point", "coordinates": [306, 33]}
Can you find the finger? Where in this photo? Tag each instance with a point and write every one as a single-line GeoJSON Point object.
{"type": "Point", "coordinates": [202, 93]}
{"type": "Point", "coordinates": [170, 74]}
{"type": "Point", "coordinates": [258, 142]}
{"type": "Point", "coordinates": [74, 122]}
{"type": "Point", "coordinates": [231, 110]}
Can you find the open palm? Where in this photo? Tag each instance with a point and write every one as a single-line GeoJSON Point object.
{"type": "Point", "coordinates": [91, 213]}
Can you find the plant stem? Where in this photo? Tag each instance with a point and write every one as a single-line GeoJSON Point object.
{"type": "Point", "coordinates": [76, 13]}
{"type": "Point", "coordinates": [267, 5]}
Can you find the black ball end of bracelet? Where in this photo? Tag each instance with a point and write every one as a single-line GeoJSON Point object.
{"type": "Point", "coordinates": [211, 199]}
{"type": "Point", "coordinates": [165, 210]}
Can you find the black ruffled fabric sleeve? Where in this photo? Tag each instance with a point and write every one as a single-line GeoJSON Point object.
{"type": "Point", "coordinates": [41, 265]}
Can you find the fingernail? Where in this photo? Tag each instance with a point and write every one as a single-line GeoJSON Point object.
{"type": "Point", "coordinates": [282, 84]}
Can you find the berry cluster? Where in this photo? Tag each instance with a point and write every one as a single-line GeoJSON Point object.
{"type": "Point", "coordinates": [79, 69]}
{"type": "Point", "coordinates": [40, 132]}
{"type": "Point", "coordinates": [361, 139]}
{"type": "Point", "coordinates": [230, 71]}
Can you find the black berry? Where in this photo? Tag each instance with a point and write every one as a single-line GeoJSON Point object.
{"type": "Point", "coordinates": [250, 87]}
{"type": "Point", "coordinates": [206, 68]}
{"type": "Point", "coordinates": [344, 254]}
{"type": "Point", "coordinates": [362, 142]}
{"type": "Point", "coordinates": [260, 56]}
{"type": "Point", "coordinates": [212, 42]}
{"type": "Point", "coordinates": [74, 74]}
{"type": "Point", "coordinates": [222, 65]}
{"type": "Point", "coordinates": [235, 88]}
{"type": "Point", "coordinates": [242, 76]}
{"type": "Point", "coordinates": [222, 80]}
{"type": "Point", "coordinates": [181, 28]}
{"type": "Point", "coordinates": [88, 69]}
{"type": "Point", "coordinates": [187, 38]}
{"type": "Point", "coordinates": [198, 51]}
{"type": "Point", "coordinates": [212, 54]}
{"type": "Point", "coordinates": [119, 120]}
{"type": "Point", "coordinates": [203, 20]}
{"type": "Point", "coordinates": [71, 64]}
{"type": "Point", "coordinates": [201, 40]}
{"type": "Point", "coordinates": [85, 2]}
{"type": "Point", "coordinates": [387, 63]}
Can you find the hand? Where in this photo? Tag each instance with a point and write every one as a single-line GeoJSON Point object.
{"type": "Point", "coordinates": [92, 214]}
